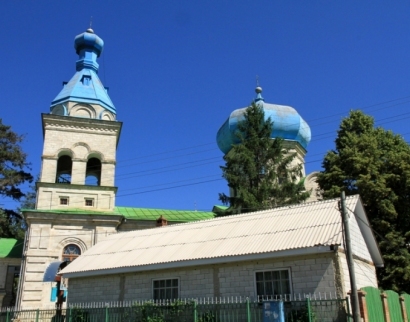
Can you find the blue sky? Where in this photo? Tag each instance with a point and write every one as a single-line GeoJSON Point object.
{"type": "Point", "coordinates": [177, 69]}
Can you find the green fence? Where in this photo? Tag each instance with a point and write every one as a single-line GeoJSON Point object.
{"type": "Point", "coordinates": [391, 302]}
{"type": "Point", "coordinates": [304, 310]}
{"type": "Point", "coordinates": [406, 299]}
{"type": "Point", "coordinates": [374, 304]}
{"type": "Point", "coordinates": [394, 306]}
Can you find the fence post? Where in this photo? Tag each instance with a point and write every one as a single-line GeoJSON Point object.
{"type": "Point", "coordinates": [348, 309]}
{"type": "Point", "coordinates": [308, 309]}
{"type": "Point", "coordinates": [8, 316]}
{"type": "Point", "coordinates": [37, 314]}
{"type": "Point", "coordinates": [403, 308]}
{"type": "Point", "coordinates": [385, 307]}
{"type": "Point", "coordinates": [69, 315]}
{"type": "Point", "coordinates": [248, 309]}
{"type": "Point", "coordinates": [363, 305]}
{"type": "Point", "coordinates": [195, 312]}
{"type": "Point", "coordinates": [106, 314]}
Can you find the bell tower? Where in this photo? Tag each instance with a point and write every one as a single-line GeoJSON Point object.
{"type": "Point", "coordinates": [80, 139]}
{"type": "Point", "coordinates": [75, 205]}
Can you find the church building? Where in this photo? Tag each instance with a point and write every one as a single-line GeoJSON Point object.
{"type": "Point", "coordinates": [75, 206]}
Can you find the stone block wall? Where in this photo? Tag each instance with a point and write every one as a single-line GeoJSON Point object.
{"type": "Point", "coordinates": [81, 139]}
{"type": "Point", "coordinates": [49, 197]}
{"type": "Point", "coordinates": [48, 235]}
{"type": "Point", "coordinates": [309, 274]}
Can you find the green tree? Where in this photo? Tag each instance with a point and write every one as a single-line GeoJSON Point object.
{"type": "Point", "coordinates": [375, 163]}
{"type": "Point", "coordinates": [28, 201]}
{"type": "Point", "coordinates": [259, 170]}
{"type": "Point", "coordinates": [13, 174]}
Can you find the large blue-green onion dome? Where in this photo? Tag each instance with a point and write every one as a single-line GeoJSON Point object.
{"type": "Point", "coordinates": [287, 124]}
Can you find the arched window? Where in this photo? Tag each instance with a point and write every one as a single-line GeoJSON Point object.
{"type": "Point", "coordinates": [93, 172]}
{"type": "Point", "coordinates": [71, 252]}
{"type": "Point", "coordinates": [64, 168]}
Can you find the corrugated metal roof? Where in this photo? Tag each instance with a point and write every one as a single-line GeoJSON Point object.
{"type": "Point", "coordinates": [295, 227]}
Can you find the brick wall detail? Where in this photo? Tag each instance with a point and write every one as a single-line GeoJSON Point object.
{"type": "Point", "coordinates": [309, 274]}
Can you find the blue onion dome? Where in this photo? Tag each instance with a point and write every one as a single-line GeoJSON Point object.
{"type": "Point", "coordinates": [85, 87]}
{"type": "Point", "coordinates": [88, 46]}
{"type": "Point", "coordinates": [287, 124]}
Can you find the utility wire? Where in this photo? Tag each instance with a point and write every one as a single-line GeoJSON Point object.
{"type": "Point", "coordinates": [315, 138]}
{"type": "Point", "coordinates": [326, 117]}
{"type": "Point", "coordinates": [184, 149]}
{"type": "Point", "coordinates": [154, 171]}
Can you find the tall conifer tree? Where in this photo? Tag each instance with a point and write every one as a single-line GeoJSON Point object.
{"type": "Point", "coordinates": [375, 163]}
{"type": "Point", "coordinates": [12, 175]}
{"type": "Point", "coordinates": [259, 169]}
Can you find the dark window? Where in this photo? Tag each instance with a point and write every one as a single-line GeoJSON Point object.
{"type": "Point", "coordinates": [93, 172]}
{"type": "Point", "coordinates": [166, 289]}
{"type": "Point", "coordinates": [89, 202]}
{"type": "Point", "coordinates": [64, 168]}
{"type": "Point", "coordinates": [64, 201]}
{"type": "Point", "coordinates": [273, 283]}
{"type": "Point", "coordinates": [10, 287]}
{"type": "Point", "coordinates": [71, 252]}
{"type": "Point", "coordinates": [86, 80]}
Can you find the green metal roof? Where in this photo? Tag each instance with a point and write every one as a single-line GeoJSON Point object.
{"type": "Point", "coordinates": [11, 248]}
{"type": "Point", "coordinates": [170, 215]}
{"type": "Point", "coordinates": [138, 213]}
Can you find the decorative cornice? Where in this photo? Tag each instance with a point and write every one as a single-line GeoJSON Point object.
{"type": "Point", "coordinates": [70, 123]}
{"type": "Point", "coordinates": [77, 124]}
{"type": "Point", "coordinates": [55, 158]}
{"type": "Point", "coordinates": [40, 217]}
{"type": "Point", "coordinates": [75, 186]}
{"type": "Point", "coordinates": [78, 128]}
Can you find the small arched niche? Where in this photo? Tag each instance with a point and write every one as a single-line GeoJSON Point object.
{"type": "Point", "coordinates": [59, 110]}
{"type": "Point", "coordinates": [64, 169]}
{"type": "Point", "coordinates": [93, 172]}
{"type": "Point", "coordinates": [83, 110]}
{"type": "Point", "coordinates": [107, 116]}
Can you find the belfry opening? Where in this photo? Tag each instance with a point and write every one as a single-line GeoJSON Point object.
{"type": "Point", "coordinates": [93, 172]}
{"type": "Point", "coordinates": [64, 169]}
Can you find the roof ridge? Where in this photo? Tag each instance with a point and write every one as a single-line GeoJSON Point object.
{"type": "Point", "coordinates": [298, 205]}
{"type": "Point", "coordinates": [238, 217]}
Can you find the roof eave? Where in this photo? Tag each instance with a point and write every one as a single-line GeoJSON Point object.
{"type": "Point", "coordinates": [368, 234]}
{"type": "Point", "coordinates": [77, 99]}
{"type": "Point", "coordinates": [320, 249]}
